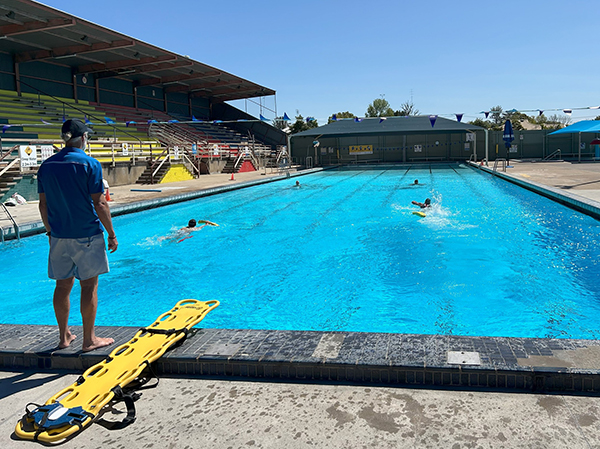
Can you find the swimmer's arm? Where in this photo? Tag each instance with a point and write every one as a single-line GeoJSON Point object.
{"type": "Point", "coordinates": [103, 212]}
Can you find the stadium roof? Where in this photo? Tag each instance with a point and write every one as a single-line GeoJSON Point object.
{"type": "Point", "coordinates": [391, 125]}
{"type": "Point", "coordinates": [31, 31]}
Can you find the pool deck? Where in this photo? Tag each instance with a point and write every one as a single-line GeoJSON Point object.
{"type": "Point", "coordinates": [323, 381]}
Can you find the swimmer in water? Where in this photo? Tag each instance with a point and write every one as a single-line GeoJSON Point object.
{"type": "Point", "coordinates": [298, 184]}
{"type": "Point", "coordinates": [427, 203]}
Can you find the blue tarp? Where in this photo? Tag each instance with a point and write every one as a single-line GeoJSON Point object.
{"type": "Point", "coordinates": [585, 126]}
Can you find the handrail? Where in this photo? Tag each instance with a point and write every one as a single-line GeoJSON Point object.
{"type": "Point", "coordinates": [552, 155]}
{"type": "Point", "coordinates": [15, 225]}
{"type": "Point", "coordinates": [168, 157]}
{"type": "Point", "coordinates": [500, 159]}
{"type": "Point", "coordinates": [13, 162]}
{"type": "Point", "coordinates": [185, 156]}
{"type": "Point", "coordinates": [9, 152]}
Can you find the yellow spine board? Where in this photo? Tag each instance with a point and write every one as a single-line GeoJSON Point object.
{"type": "Point", "coordinates": [124, 364]}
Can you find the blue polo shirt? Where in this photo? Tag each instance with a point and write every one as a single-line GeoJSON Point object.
{"type": "Point", "coordinates": [68, 179]}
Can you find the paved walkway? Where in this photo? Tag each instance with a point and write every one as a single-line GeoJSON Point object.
{"type": "Point", "coordinates": [197, 413]}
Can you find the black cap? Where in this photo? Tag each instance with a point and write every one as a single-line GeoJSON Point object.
{"type": "Point", "coordinates": [76, 128]}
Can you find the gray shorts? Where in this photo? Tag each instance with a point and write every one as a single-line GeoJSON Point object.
{"type": "Point", "coordinates": [83, 258]}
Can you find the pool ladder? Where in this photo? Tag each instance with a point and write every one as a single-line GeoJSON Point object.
{"type": "Point", "coordinates": [502, 162]}
{"type": "Point", "coordinates": [15, 225]}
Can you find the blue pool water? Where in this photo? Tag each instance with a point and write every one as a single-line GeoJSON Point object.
{"type": "Point", "coordinates": [345, 252]}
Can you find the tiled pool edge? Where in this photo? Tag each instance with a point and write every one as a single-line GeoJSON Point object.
{"type": "Point", "coordinates": [37, 227]}
{"type": "Point", "coordinates": [355, 358]}
{"type": "Point", "coordinates": [579, 203]}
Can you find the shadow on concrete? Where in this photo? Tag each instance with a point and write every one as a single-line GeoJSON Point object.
{"type": "Point", "coordinates": [20, 382]}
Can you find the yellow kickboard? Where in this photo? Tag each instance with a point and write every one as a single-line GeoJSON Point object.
{"type": "Point", "coordinates": [92, 391]}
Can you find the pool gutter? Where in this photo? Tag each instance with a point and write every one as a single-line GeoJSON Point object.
{"type": "Point", "coordinates": [403, 360]}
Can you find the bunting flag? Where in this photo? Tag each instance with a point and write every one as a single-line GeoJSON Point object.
{"type": "Point", "coordinates": [219, 121]}
{"type": "Point", "coordinates": [87, 120]}
{"type": "Point", "coordinates": [194, 119]}
{"type": "Point", "coordinates": [45, 122]}
{"type": "Point", "coordinates": [594, 107]}
{"type": "Point", "coordinates": [286, 118]}
{"type": "Point", "coordinates": [310, 119]}
{"type": "Point", "coordinates": [568, 111]}
{"type": "Point", "coordinates": [109, 121]}
{"type": "Point", "coordinates": [356, 119]}
{"type": "Point", "coordinates": [263, 118]}
{"type": "Point", "coordinates": [540, 113]}
{"type": "Point", "coordinates": [459, 117]}
{"type": "Point", "coordinates": [432, 119]}
{"type": "Point", "coordinates": [131, 122]}
{"type": "Point", "coordinates": [5, 127]}
{"type": "Point", "coordinates": [173, 121]}
{"type": "Point", "coordinates": [64, 119]}
{"type": "Point", "coordinates": [334, 118]}
{"type": "Point", "coordinates": [382, 119]}
{"type": "Point", "coordinates": [152, 121]}
{"type": "Point", "coordinates": [487, 113]}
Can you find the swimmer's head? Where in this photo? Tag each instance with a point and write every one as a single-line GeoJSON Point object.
{"type": "Point", "coordinates": [416, 181]}
{"type": "Point", "coordinates": [192, 223]}
{"type": "Point", "coordinates": [297, 183]}
{"type": "Point", "coordinates": [428, 201]}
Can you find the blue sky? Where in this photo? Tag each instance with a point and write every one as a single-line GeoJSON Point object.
{"type": "Point", "coordinates": [324, 57]}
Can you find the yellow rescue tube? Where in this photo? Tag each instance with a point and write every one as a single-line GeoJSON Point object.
{"type": "Point", "coordinates": [419, 213]}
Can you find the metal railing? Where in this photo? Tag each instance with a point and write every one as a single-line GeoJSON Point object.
{"type": "Point", "coordinates": [502, 162]}
{"type": "Point", "coordinates": [15, 225]}
{"type": "Point", "coordinates": [552, 155]}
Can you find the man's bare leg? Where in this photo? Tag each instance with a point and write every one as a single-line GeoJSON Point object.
{"type": "Point", "coordinates": [62, 306]}
{"type": "Point", "coordinates": [89, 305]}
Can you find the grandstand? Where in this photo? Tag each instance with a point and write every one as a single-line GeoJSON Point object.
{"type": "Point", "coordinates": [157, 116]}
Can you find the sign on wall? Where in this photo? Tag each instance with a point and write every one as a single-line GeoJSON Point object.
{"type": "Point", "coordinates": [28, 155]}
{"type": "Point", "coordinates": [46, 151]}
{"type": "Point", "coordinates": [418, 148]}
{"type": "Point", "coordinates": [361, 149]}
{"type": "Point", "coordinates": [125, 149]}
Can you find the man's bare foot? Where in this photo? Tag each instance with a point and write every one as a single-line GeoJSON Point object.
{"type": "Point", "coordinates": [97, 342]}
{"type": "Point", "coordinates": [67, 341]}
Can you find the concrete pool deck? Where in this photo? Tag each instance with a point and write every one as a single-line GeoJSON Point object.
{"type": "Point", "coordinates": [352, 402]}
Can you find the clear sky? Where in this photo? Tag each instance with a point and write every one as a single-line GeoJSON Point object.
{"type": "Point", "coordinates": [328, 56]}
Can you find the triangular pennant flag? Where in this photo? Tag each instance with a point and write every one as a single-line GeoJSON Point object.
{"type": "Point", "coordinates": [220, 121]}
{"type": "Point", "coordinates": [109, 121]}
{"type": "Point", "coordinates": [568, 111]}
{"type": "Point", "coordinates": [130, 122]}
{"type": "Point", "coordinates": [173, 121]}
{"type": "Point", "coordinates": [459, 117]}
{"type": "Point", "coordinates": [5, 127]}
{"type": "Point", "coordinates": [512, 110]}
{"type": "Point", "coordinates": [45, 122]}
{"type": "Point", "coordinates": [487, 113]}
{"type": "Point", "coordinates": [152, 121]}
{"type": "Point", "coordinates": [194, 119]}
{"type": "Point", "coordinates": [334, 118]}
{"type": "Point", "coordinates": [432, 119]}
{"type": "Point", "coordinates": [594, 107]}
{"type": "Point", "coordinates": [262, 118]}
{"type": "Point", "coordinates": [87, 120]}
{"type": "Point", "coordinates": [541, 112]}
{"type": "Point", "coordinates": [64, 119]}
{"type": "Point", "coordinates": [382, 119]}
{"type": "Point", "coordinates": [356, 119]}
{"type": "Point", "coordinates": [286, 118]}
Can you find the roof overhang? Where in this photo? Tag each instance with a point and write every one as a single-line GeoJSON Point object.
{"type": "Point", "coordinates": [31, 31]}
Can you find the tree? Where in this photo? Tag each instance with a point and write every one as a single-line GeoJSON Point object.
{"type": "Point", "coordinates": [480, 122]}
{"type": "Point", "coordinates": [556, 121]}
{"type": "Point", "coordinates": [339, 115]}
{"type": "Point", "coordinates": [407, 109]}
{"type": "Point", "coordinates": [303, 125]}
{"type": "Point", "coordinates": [380, 108]}
{"type": "Point", "coordinates": [280, 123]}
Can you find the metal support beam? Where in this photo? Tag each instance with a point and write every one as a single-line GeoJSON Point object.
{"type": "Point", "coordinates": [123, 64]}
{"type": "Point", "coordinates": [30, 27]}
{"type": "Point", "coordinates": [71, 50]}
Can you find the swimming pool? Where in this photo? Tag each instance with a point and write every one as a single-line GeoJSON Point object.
{"type": "Point", "coordinates": [345, 252]}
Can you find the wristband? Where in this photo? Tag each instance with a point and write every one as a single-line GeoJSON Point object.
{"type": "Point", "coordinates": [113, 238]}
{"type": "Point", "coordinates": [48, 234]}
